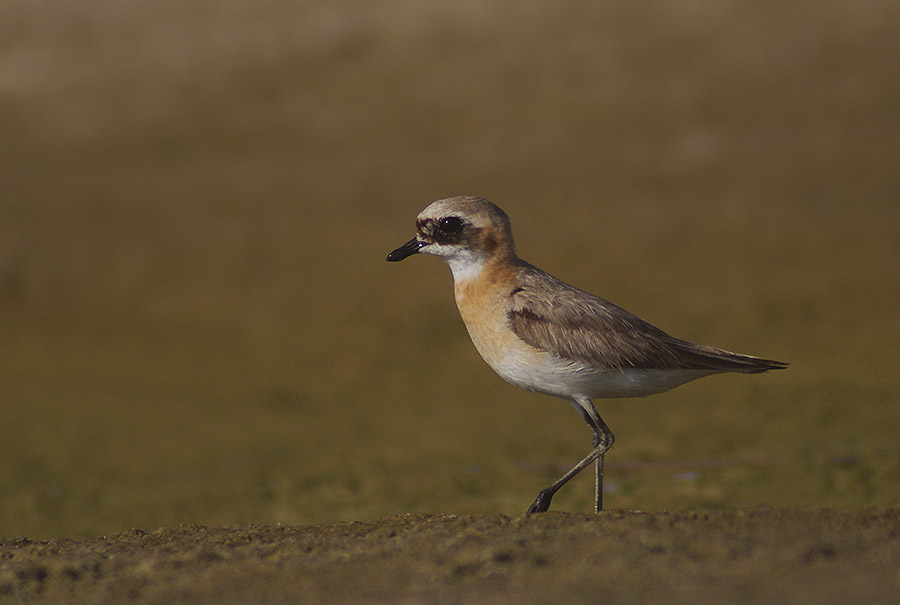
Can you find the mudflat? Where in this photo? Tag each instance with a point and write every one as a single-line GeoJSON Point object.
{"type": "Point", "coordinates": [759, 555]}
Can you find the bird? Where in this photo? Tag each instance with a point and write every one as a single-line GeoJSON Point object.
{"type": "Point", "coordinates": [546, 336]}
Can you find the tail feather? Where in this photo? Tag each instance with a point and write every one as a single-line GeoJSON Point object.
{"type": "Point", "coordinates": [710, 358]}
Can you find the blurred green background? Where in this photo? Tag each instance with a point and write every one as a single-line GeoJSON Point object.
{"type": "Point", "coordinates": [197, 323]}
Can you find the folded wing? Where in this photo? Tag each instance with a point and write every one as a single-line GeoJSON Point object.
{"type": "Point", "coordinates": [553, 316]}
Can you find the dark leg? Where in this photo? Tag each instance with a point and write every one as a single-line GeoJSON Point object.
{"type": "Point", "coordinates": [602, 435]}
{"type": "Point", "coordinates": [602, 441]}
{"type": "Point", "coordinates": [598, 479]}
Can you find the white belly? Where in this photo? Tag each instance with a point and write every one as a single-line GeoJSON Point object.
{"type": "Point", "coordinates": [548, 374]}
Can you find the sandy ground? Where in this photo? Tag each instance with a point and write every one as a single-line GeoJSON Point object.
{"type": "Point", "coordinates": [760, 555]}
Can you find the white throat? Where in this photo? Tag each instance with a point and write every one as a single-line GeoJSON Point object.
{"type": "Point", "coordinates": [465, 266]}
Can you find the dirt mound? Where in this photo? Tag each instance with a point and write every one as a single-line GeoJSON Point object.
{"type": "Point", "coordinates": [747, 555]}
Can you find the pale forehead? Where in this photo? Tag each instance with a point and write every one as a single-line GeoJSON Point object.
{"type": "Point", "coordinates": [477, 210]}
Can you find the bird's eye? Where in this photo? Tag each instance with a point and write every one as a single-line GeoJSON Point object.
{"type": "Point", "coordinates": [450, 225]}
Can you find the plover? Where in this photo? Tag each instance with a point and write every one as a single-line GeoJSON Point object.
{"type": "Point", "coordinates": [543, 335]}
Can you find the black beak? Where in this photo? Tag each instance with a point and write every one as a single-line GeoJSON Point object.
{"type": "Point", "coordinates": [408, 249]}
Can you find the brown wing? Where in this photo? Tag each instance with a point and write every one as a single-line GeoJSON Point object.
{"type": "Point", "coordinates": [553, 316]}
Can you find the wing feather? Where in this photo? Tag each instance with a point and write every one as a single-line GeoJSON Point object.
{"type": "Point", "coordinates": [553, 316]}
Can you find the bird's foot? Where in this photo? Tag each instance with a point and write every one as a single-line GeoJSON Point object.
{"type": "Point", "coordinates": [542, 503]}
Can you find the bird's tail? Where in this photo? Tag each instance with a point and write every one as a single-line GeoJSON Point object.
{"type": "Point", "coordinates": [702, 357]}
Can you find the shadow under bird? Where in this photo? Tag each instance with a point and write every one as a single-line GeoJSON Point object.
{"type": "Point", "coordinates": [541, 334]}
